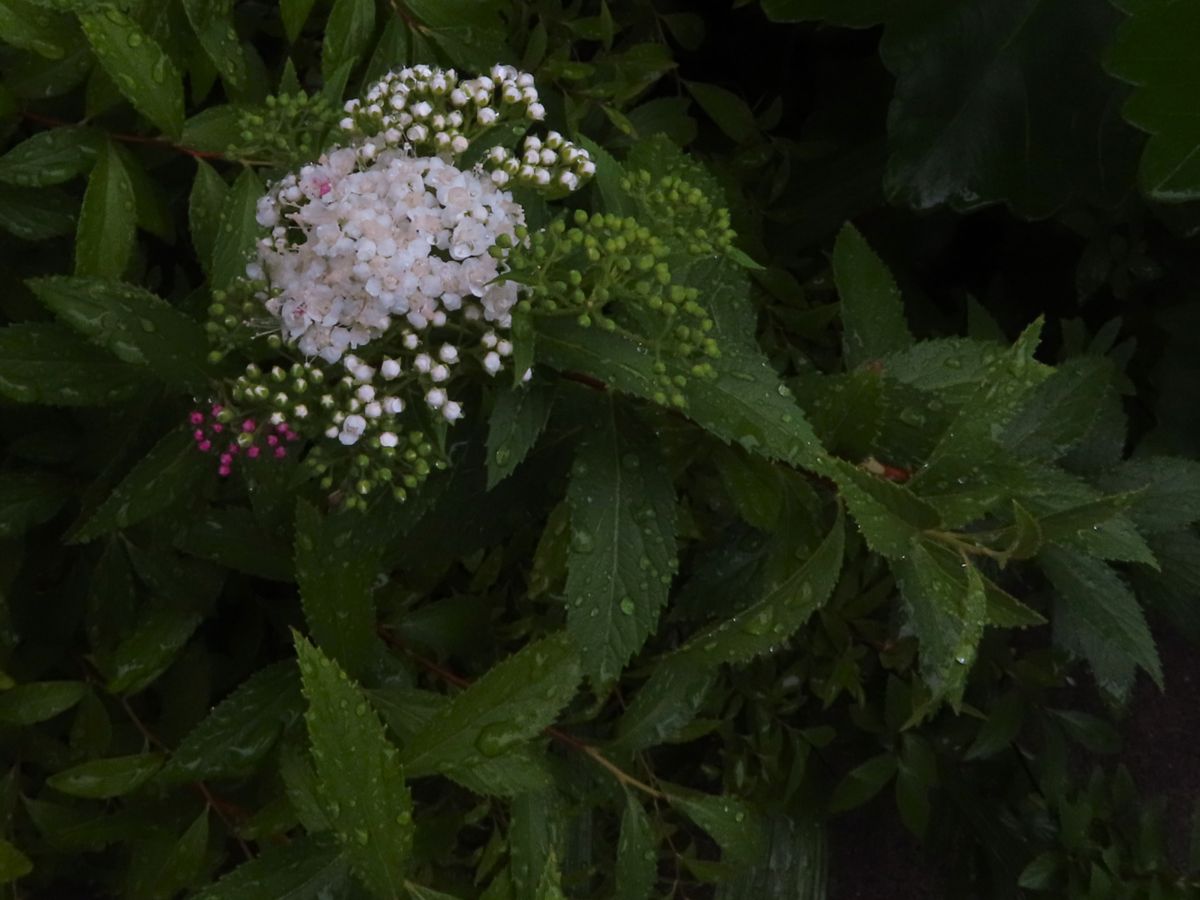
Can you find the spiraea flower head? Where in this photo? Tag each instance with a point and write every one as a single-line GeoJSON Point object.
{"type": "Point", "coordinates": [381, 270]}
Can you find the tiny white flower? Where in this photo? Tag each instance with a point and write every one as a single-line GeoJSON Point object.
{"type": "Point", "coordinates": [504, 348]}
{"type": "Point", "coordinates": [365, 393]}
{"type": "Point", "coordinates": [393, 405]}
{"type": "Point", "coordinates": [300, 411]}
{"type": "Point", "coordinates": [439, 373]}
{"type": "Point", "coordinates": [423, 363]}
{"type": "Point", "coordinates": [389, 369]}
{"type": "Point", "coordinates": [492, 363]}
{"type": "Point", "coordinates": [373, 410]}
{"type": "Point", "coordinates": [388, 439]}
{"type": "Point", "coordinates": [436, 398]}
{"type": "Point", "coordinates": [448, 353]}
{"type": "Point", "coordinates": [452, 411]}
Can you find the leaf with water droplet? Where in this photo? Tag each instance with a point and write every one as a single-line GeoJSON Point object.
{"type": "Point", "coordinates": [358, 775]}
{"type": "Point", "coordinates": [620, 515]}
{"type": "Point", "coordinates": [516, 423]}
{"type": "Point", "coordinates": [138, 66]}
{"type": "Point", "coordinates": [513, 702]}
{"type": "Point", "coordinates": [768, 622]}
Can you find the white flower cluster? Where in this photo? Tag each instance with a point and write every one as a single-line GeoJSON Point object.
{"type": "Point", "coordinates": [363, 236]}
{"type": "Point", "coordinates": [431, 108]}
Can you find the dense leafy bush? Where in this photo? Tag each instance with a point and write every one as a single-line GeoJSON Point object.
{"type": "Point", "coordinates": [553, 494]}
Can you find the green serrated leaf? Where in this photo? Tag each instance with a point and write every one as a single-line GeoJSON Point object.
{"type": "Point", "coordinates": [796, 866]}
{"type": "Point", "coordinates": [336, 575]}
{"type": "Point", "coordinates": [233, 739]}
{"type": "Point", "coordinates": [1152, 52]}
{"type": "Point", "coordinates": [138, 327]}
{"type": "Point", "coordinates": [516, 771]}
{"type": "Point", "coordinates": [23, 25]}
{"type": "Point", "coordinates": [737, 829]}
{"type": "Point", "coordinates": [28, 704]}
{"type": "Point", "coordinates": [745, 404]}
{"type": "Point", "coordinates": [768, 622]}
{"type": "Point", "coordinates": [947, 617]}
{"type": "Point", "coordinates": [637, 859]}
{"type": "Point", "coordinates": [307, 868]}
{"type": "Point", "coordinates": [1098, 617]}
{"type": "Point", "coordinates": [50, 157]}
{"type": "Point", "coordinates": [103, 778]}
{"type": "Point", "coordinates": [470, 32]}
{"type": "Point", "coordinates": [162, 477]}
{"type": "Point", "coordinates": [1059, 412]}
{"type": "Point", "coordinates": [872, 311]}
{"type": "Point", "coordinates": [888, 514]}
{"type": "Point", "coordinates": [622, 557]}
{"type": "Point", "coordinates": [148, 650]}
{"type": "Point", "coordinates": [532, 838]}
{"type": "Point", "coordinates": [517, 420]}
{"type": "Point", "coordinates": [1026, 534]}
{"type": "Point", "coordinates": [667, 702]}
{"type": "Point", "coordinates": [138, 65]}
{"type": "Point", "coordinates": [360, 776]}
{"type": "Point", "coordinates": [236, 231]}
{"type": "Point", "coordinates": [208, 198]}
{"type": "Point", "coordinates": [511, 704]}
{"type": "Point", "coordinates": [1003, 724]}
{"type": "Point", "coordinates": [347, 33]}
{"type": "Point", "coordinates": [212, 20]}
{"type": "Point", "coordinates": [107, 229]}
{"type": "Point", "coordinates": [1166, 491]}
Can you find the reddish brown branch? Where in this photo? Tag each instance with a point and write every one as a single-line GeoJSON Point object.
{"type": "Point", "coordinates": [54, 122]}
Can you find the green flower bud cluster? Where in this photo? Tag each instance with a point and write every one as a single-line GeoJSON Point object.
{"type": "Point", "coordinates": [286, 129]}
{"type": "Point", "coordinates": [236, 318]}
{"type": "Point", "coordinates": [613, 272]}
{"type": "Point", "coordinates": [681, 213]}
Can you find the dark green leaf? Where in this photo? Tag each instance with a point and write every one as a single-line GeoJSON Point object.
{"type": "Point", "coordinates": [977, 113]}
{"type": "Point", "coordinates": [145, 654]}
{"type": "Point", "coordinates": [667, 702]}
{"type": "Point", "coordinates": [795, 867]}
{"type": "Point", "coordinates": [889, 515]}
{"type": "Point", "coordinates": [49, 157]}
{"type": "Point", "coordinates": [469, 32]}
{"type": "Point", "coordinates": [360, 776]}
{"type": "Point", "coordinates": [1167, 491]}
{"type": "Point", "coordinates": [28, 499]}
{"type": "Point", "coordinates": [305, 869]}
{"type": "Point", "coordinates": [1153, 52]}
{"type": "Point", "coordinates": [212, 20]}
{"type": "Point", "coordinates": [136, 326]}
{"type": "Point", "coordinates": [508, 706]}
{"type": "Point", "coordinates": [237, 230]}
{"type": "Point", "coordinates": [1103, 621]}
{"type": "Point", "coordinates": [102, 778]}
{"type": "Point", "coordinates": [28, 704]}
{"type": "Point", "coordinates": [765, 624]}
{"type": "Point", "coordinates": [947, 619]}
{"type": "Point", "coordinates": [863, 783]}
{"type": "Point", "coordinates": [872, 311]}
{"type": "Point", "coordinates": [622, 556]}
{"type": "Point", "coordinates": [162, 477]}
{"type": "Point", "coordinates": [1058, 412]}
{"type": "Point", "coordinates": [726, 109]}
{"type": "Point", "coordinates": [138, 65]}
{"type": "Point", "coordinates": [36, 214]}
{"type": "Point", "coordinates": [516, 422]}
{"type": "Point", "coordinates": [13, 863]}
{"type": "Point", "coordinates": [736, 828]}
{"type": "Point", "coordinates": [236, 735]}
{"type": "Point", "coordinates": [347, 34]}
{"type": "Point", "coordinates": [208, 198]}
{"type": "Point", "coordinates": [336, 575]}
{"type": "Point", "coordinates": [107, 224]}
{"type": "Point", "coordinates": [295, 14]}
{"type": "Point", "coordinates": [637, 860]}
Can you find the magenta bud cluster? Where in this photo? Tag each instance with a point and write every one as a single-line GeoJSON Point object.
{"type": "Point", "coordinates": [230, 440]}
